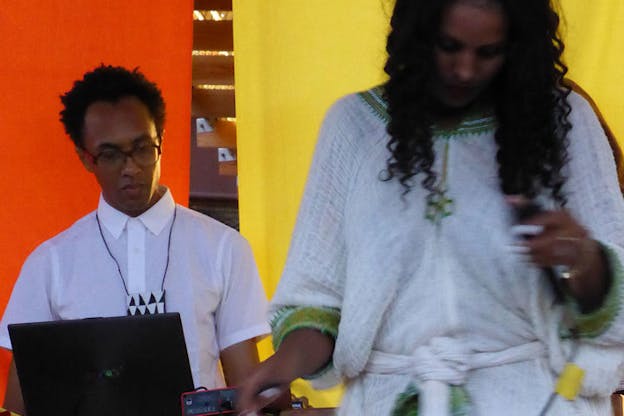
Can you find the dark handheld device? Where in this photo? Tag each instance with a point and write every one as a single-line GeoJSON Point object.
{"type": "Point", "coordinates": [528, 210]}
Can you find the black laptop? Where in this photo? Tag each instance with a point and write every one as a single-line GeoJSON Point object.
{"type": "Point", "coordinates": [132, 365]}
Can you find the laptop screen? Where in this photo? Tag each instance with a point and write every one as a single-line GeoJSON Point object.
{"type": "Point", "coordinates": [131, 365]}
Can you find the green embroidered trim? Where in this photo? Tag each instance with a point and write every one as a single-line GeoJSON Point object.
{"type": "Point", "coordinates": [290, 318]}
{"type": "Point", "coordinates": [597, 322]}
{"type": "Point", "coordinates": [406, 403]}
{"type": "Point", "coordinates": [477, 121]}
{"type": "Point", "coordinates": [374, 98]}
{"type": "Point", "coordinates": [460, 401]}
{"type": "Point", "coordinates": [439, 205]}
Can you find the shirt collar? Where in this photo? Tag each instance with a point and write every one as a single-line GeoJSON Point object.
{"type": "Point", "coordinates": [154, 219]}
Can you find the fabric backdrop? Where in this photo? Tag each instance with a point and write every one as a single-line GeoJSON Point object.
{"type": "Point", "coordinates": [295, 58]}
{"type": "Point", "coordinates": [46, 45]}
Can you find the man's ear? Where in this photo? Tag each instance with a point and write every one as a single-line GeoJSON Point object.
{"type": "Point", "coordinates": [85, 159]}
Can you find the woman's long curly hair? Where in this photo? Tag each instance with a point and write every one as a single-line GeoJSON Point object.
{"type": "Point", "coordinates": [530, 98]}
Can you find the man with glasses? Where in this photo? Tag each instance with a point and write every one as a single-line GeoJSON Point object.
{"type": "Point", "coordinates": [139, 252]}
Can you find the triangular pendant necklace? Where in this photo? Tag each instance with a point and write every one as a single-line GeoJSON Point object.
{"type": "Point", "coordinates": [148, 303]}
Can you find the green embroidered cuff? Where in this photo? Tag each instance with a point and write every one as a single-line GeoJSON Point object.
{"type": "Point", "coordinates": [291, 318]}
{"type": "Point", "coordinates": [593, 324]}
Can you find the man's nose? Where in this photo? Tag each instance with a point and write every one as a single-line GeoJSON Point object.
{"type": "Point", "coordinates": [129, 165]}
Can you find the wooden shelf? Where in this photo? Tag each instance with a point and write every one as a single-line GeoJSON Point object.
{"type": "Point", "coordinates": [210, 35]}
{"type": "Point", "coordinates": [223, 135]}
{"type": "Point", "coordinates": [213, 5]}
{"type": "Point", "coordinates": [213, 103]}
{"type": "Point", "coordinates": [213, 70]}
{"type": "Point", "coordinates": [229, 168]}
{"type": "Point", "coordinates": [214, 35]}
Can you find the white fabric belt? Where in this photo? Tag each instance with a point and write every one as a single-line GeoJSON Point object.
{"type": "Point", "coordinates": [446, 361]}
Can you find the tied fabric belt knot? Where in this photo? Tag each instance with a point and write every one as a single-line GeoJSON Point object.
{"type": "Point", "coordinates": [445, 362]}
{"type": "Point", "coordinates": [443, 359]}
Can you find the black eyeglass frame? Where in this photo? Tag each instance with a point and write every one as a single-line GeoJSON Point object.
{"type": "Point", "coordinates": [128, 154]}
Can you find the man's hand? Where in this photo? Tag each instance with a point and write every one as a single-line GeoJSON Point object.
{"type": "Point", "coordinates": [13, 400]}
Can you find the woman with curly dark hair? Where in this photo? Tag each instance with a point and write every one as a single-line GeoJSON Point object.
{"type": "Point", "coordinates": [458, 248]}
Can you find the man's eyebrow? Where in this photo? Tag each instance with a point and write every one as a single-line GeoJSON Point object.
{"type": "Point", "coordinates": [143, 138]}
{"type": "Point", "coordinates": [139, 139]}
{"type": "Point", "coordinates": [107, 146]}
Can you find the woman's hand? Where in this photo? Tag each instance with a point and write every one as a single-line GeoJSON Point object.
{"type": "Point", "coordinates": [555, 239]}
{"type": "Point", "coordinates": [303, 352]}
{"type": "Point", "coordinates": [269, 383]}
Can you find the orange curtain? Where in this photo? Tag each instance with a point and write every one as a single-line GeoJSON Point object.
{"type": "Point", "coordinates": [47, 45]}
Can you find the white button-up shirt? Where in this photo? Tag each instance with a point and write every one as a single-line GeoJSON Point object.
{"type": "Point", "coordinates": [211, 280]}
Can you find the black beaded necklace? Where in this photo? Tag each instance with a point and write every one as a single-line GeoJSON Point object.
{"type": "Point", "coordinates": [138, 303]}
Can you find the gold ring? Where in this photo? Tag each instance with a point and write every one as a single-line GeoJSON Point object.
{"type": "Point", "coordinates": [570, 239]}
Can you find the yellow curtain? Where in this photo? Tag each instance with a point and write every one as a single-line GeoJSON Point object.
{"type": "Point", "coordinates": [594, 34]}
{"type": "Point", "coordinates": [294, 58]}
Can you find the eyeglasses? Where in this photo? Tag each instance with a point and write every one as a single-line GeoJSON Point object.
{"type": "Point", "coordinates": [144, 155]}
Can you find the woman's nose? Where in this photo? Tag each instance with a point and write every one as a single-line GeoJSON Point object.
{"type": "Point", "coordinates": [465, 68]}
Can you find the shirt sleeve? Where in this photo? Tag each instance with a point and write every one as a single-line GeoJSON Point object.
{"type": "Point", "coordinates": [595, 199]}
{"type": "Point", "coordinates": [310, 291]}
{"type": "Point", "coordinates": [242, 311]}
{"type": "Point", "coordinates": [315, 269]}
{"type": "Point", "coordinates": [30, 300]}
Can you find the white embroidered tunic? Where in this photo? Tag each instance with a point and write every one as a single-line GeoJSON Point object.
{"type": "Point", "coordinates": [432, 304]}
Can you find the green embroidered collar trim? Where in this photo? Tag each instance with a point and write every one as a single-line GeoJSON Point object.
{"type": "Point", "coordinates": [374, 98]}
{"type": "Point", "coordinates": [475, 122]}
